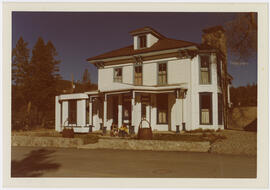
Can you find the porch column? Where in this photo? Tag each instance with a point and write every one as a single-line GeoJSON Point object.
{"type": "Point", "coordinates": [90, 112]}
{"type": "Point", "coordinates": [229, 98]}
{"type": "Point", "coordinates": [119, 110]}
{"type": "Point", "coordinates": [132, 109]}
{"type": "Point", "coordinates": [57, 114]}
{"type": "Point", "coordinates": [105, 111]}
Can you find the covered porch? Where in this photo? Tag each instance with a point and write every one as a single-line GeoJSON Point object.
{"type": "Point", "coordinates": [164, 109]}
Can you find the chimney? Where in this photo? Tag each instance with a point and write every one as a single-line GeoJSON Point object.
{"type": "Point", "coordinates": [215, 37]}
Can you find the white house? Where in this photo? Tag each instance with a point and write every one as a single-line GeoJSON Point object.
{"type": "Point", "coordinates": [171, 83]}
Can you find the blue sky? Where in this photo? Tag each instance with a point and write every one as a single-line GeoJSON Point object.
{"type": "Point", "coordinates": [78, 36]}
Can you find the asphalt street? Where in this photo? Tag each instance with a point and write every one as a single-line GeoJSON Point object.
{"type": "Point", "coordinates": [61, 162]}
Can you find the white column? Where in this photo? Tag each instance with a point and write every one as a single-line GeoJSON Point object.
{"type": "Point", "coordinates": [64, 113]}
{"type": "Point", "coordinates": [81, 113]}
{"type": "Point", "coordinates": [57, 114]}
{"type": "Point", "coordinates": [132, 109]}
{"type": "Point", "coordinates": [119, 110]}
{"type": "Point", "coordinates": [229, 97]}
{"type": "Point", "coordinates": [215, 109]}
{"type": "Point", "coordinates": [105, 111]}
{"type": "Point", "coordinates": [90, 112]}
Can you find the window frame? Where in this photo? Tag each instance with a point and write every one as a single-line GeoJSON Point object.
{"type": "Point", "coordinates": [158, 74]}
{"type": "Point", "coordinates": [167, 110]}
{"type": "Point", "coordinates": [219, 71]}
{"type": "Point", "coordinates": [87, 120]}
{"type": "Point", "coordinates": [134, 75]}
{"type": "Point", "coordinates": [210, 94]}
{"type": "Point", "coordinates": [140, 40]}
{"type": "Point", "coordinates": [220, 109]}
{"type": "Point", "coordinates": [115, 79]}
{"type": "Point", "coordinates": [209, 70]}
{"type": "Point", "coordinates": [72, 113]}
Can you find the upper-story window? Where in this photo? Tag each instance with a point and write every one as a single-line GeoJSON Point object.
{"type": "Point", "coordinates": [138, 75]}
{"type": "Point", "coordinates": [142, 41]}
{"type": "Point", "coordinates": [205, 70]}
{"type": "Point", "coordinates": [117, 76]}
{"type": "Point", "coordinates": [162, 73]}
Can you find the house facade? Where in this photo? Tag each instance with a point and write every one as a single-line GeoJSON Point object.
{"type": "Point", "coordinates": [173, 84]}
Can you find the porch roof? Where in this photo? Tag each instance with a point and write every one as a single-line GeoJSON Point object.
{"type": "Point", "coordinates": [147, 88]}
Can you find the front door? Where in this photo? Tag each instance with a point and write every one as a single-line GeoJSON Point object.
{"type": "Point", "coordinates": [145, 111]}
{"type": "Point", "coordinates": [115, 110]}
{"type": "Point", "coordinates": [127, 109]}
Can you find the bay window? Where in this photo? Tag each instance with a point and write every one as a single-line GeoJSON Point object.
{"type": "Point", "coordinates": [205, 70]}
{"type": "Point", "coordinates": [220, 109]}
{"type": "Point", "coordinates": [205, 108]}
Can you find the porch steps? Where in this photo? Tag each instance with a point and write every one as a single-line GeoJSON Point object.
{"type": "Point", "coordinates": [153, 145]}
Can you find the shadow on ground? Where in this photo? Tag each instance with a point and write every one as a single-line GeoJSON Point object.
{"type": "Point", "coordinates": [35, 163]}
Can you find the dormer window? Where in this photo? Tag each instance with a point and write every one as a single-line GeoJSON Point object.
{"type": "Point", "coordinates": [142, 41]}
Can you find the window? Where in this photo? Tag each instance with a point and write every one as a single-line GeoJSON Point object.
{"type": "Point", "coordinates": [205, 70]}
{"type": "Point", "coordinates": [206, 108]}
{"type": "Point", "coordinates": [162, 73]}
{"type": "Point", "coordinates": [72, 112]}
{"type": "Point", "coordinates": [117, 77]}
{"type": "Point", "coordinates": [142, 41]}
{"type": "Point", "coordinates": [87, 111]}
{"type": "Point", "coordinates": [220, 109]}
{"type": "Point", "coordinates": [138, 75]}
{"type": "Point", "coordinates": [219, 63]}
{"type": "Point", "coordinates": [162, 109]}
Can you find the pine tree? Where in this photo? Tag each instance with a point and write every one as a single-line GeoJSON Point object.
{"type": "Point", "coordinates": [44, 76]}
{"type": "Point", "coordinates": [20, 62]}
{"type": "Point", "coordinates": [86, 77]}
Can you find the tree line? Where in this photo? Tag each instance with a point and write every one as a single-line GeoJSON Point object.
{"type": "Point", "coordinates": [35, 83]}
{"type": "Point", "coordinates": [244, 95]}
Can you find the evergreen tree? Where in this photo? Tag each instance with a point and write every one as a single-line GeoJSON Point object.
{"type": "Point", "coordinates": [44, 76]}
{"type": "Point", "coordinates": [86, 77]}
{"type": "Point", "coordinates": [20, 62]}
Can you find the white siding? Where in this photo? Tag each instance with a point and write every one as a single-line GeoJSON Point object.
{"type": "Point", "coordinates": [105, 78]}
{"type": "Point", "coordinates": [96, 118]}
{"type": "Point", "coordinates": [196, 88]}
{"type": "Point", "coordinates": [150, 74]}
{"type": "Point", "coordinates": [128, 74]}
{"type": "Point", "coordinates": [178, 71]}
{"type": "Point", "coordinates": [151, 40]}
{"type": "Point", "coordinates": [135, 42]}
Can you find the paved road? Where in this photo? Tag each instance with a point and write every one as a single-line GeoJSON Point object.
{"type": "Point", "coordinates": [56, 162]}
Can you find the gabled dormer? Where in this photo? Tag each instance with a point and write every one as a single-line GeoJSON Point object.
{"type": "Point", "coordinates": [145, 37]}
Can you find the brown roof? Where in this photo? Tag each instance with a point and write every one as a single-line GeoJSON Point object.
{"type": "Point", "coordinates": [162, 44]}
{"type": "Point", "coordinates": [147, 29]}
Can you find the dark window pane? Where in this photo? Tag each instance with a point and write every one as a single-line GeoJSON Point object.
{"type": "Point", "coordinates": [162, 108]}
{"type": "Point", "coordinates": [205, 108]}
{"type": "Point", "coordinates": [72, 112]}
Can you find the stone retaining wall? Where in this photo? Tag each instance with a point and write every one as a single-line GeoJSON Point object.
{"type": "Point", "coordinates": [46, 141]}
{"type": "Point", "coordinates": [154, 145]}
{"type": "Point", "coordinates": [120, 144]}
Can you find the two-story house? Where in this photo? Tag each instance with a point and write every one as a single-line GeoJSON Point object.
{"type": "Point", "coordinates": [171, 83]}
